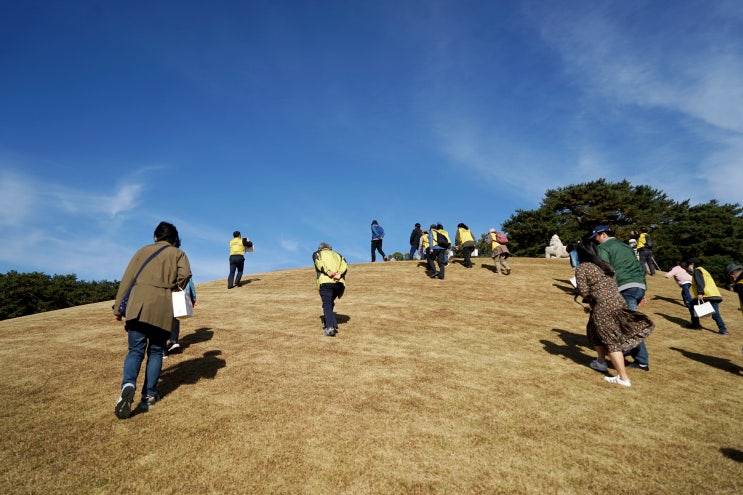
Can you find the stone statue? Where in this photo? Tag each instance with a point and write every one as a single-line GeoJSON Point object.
{"type": "Point", "coordinates": [556, 249]}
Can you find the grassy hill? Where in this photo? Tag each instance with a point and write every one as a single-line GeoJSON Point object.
{"type": "Point", "coordinates": [475, 384]}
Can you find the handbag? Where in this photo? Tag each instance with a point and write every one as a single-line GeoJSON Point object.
{"type": "Point", "coordinates": [704, 309]}
{"type": "Point", "coordinates": [125, 300]}
{"type": "Point", "coordinates": [182, 304]}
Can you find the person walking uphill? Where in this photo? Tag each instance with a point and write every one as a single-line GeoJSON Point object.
{"type": "Point", "coordinates": [630, 277]}
{"type": "Point", "coordinates": [238, 246]}
{"type": "Point", "coordinates": [331, 269]}
{"type": "Point", "coordinates": [612, 327]}
{"type": "Point", "coordinates": [415, 239]}
{"type": "Point", "coordinates": [438, 243]}
{"type": "Point", "coordinates": [466, 241]}
{"type": "Point", "coordinates": [152, 274]}
{"type": "Point", "coordinates": [377, 234]}
{"type": "Point", "coordinates": [500, 252]}
{"type": "Point", "coordinates": [704, 289]}
{"type": "Point", "coordinates": [645, 251]}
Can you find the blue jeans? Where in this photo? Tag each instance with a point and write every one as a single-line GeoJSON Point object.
{"type": "Point", "coordinates": [574, 259]}
{"type": "Point", "coordinates": [413, 250]}
{"type": "Point", "coordinates": [176, 333]}
{"type": "Point", "coordinates": [688, 302]}
{"type": "Point", "coordinates": [144, 337]}
{"type": "Point", "coordinates": [632, 297]}
{"type": "Point", "coordinates": [715, 316]}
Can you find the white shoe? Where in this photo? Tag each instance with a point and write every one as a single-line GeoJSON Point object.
{"type": "Point", "coordinates": [598, 366]}
{"type": "Point", "coordinates": [174, 347]}
{"type": "Point", "coordinates": [618, 381]}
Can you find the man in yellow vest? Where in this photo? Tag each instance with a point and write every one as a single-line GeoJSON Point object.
{"type": "Point", "coordinates": [238, 246]}
{"type": "Point", "coordinates": [438, 243]}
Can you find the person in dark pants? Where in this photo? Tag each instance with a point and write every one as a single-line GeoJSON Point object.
{"type": "Point", "coordinates": [238, 246]}
{"type": "Point", "coordinates": [645, 251]}
{"type": "Point", "coordinates": [415, 240]}
{"type": "Point", "coordinates": [438, 243]}
{"type": "Point", "coordinates": [377, 233]}
{"type": "Point", "coordinates": [466, 241]}
{"type": "Point", "coordinates": [330, 268]}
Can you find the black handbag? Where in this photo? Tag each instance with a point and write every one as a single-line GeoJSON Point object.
{"type": "Point", "coordinates": [125, 299]}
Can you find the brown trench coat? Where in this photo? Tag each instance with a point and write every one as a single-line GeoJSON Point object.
{"type": "Point", "coordinates": [150, 300]}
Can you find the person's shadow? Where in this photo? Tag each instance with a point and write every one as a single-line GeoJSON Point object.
{"type": "Point", "coordinates": [734, 454]}
{"type": "Point", "coordinates": [189, 372]}
{"type": "Point", "coordinates": [714, 361]}
{"type": "Point", "coordinates": [674, 319]}
{"type": "Point", "coordinates": [200, 335]}
{"type": "Point", "coordinates": [341, 319]}
{"type": "Point", "coordinates": [668, 299]}
{"type": "Point", "coordinates": [571, 348]}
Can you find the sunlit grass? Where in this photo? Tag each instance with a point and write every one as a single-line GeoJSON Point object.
{"type": "Point", "coordinates": [474, 384]}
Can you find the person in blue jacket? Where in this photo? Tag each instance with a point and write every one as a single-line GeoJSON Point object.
{"type": "Point", "coordinates": [377, 233]}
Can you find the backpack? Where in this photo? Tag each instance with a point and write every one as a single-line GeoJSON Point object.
{"type": "Point", "coordinates": [501, 238]}
{"type": "Point", "coordinates": [648, 242]}
{"type": "Point", "coordinates": [442, 240]}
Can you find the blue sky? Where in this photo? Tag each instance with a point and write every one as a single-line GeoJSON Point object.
{"type": "Point", "coordinates": [301, 121]}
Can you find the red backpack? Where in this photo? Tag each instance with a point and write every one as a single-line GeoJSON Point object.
{"type": "Point", "coordinates": [501, 238]}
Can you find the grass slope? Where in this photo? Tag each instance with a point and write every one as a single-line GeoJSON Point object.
{"type": "Point", "coordinates": [474, 384]}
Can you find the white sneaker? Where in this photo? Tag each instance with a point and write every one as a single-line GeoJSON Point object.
{"type": "Point", "coordinates": [598, 366]}
{"type": "Point", "coordinates": [618, 381]}
{"type": "Point", "coordinates": [174, 347]}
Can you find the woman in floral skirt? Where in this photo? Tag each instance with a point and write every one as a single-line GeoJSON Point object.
{"type": "Point", "coordinates": [612, 327]}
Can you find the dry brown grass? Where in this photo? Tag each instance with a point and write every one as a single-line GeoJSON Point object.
{"type": "Point", "coordinates": [476, 384]}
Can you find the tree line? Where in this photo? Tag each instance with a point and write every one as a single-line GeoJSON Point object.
{"type": "Point", "coordinates": [23, 294]}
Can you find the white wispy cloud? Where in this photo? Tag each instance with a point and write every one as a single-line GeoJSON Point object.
{"type": "Point", "coordinates": [16, 198]}
{"type": "Point", "coordinates": [290, 245]}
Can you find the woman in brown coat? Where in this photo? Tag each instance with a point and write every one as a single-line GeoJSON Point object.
{"type": "Point", "coordinates": [612, 327]}
{"type": "Point", "coordinates": [149, 312]}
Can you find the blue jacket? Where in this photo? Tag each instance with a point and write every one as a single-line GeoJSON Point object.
{"type": "Point", "coordinates": [377, 232]}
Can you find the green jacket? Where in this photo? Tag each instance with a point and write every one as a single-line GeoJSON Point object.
{"type": "Point", "coordinates": [629, 272]}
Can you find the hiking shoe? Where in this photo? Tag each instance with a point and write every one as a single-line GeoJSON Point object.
{"type": "Point", "coordinates": [724, 334]}
{"type": "Point", "coordinates": [330, 332]}
{"type": "Point", "coordinates": [598, 366]}
{"type": "Point", "coordinates": [636, 365]}
{"type": "Point", "coordinates": [148, 401]}
{"type": "Point", "coordinates": [618, 381]}
{"type": "Point", "coordinates": [175, 346]}
{"type": "Point", "coordinates": [124, 404]}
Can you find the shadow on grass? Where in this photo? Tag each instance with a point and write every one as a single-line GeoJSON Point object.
{"type": "Point", "coordinates": [190, 372]}
{"type": "Point", "coordinates": [246, 281]}
{"type": "Point", "coordinates": [200, 335]}
{"type": "Point", "coordinates": [569, 289]}
{"type": "Point", "coordinates": [675, 319]}
{"type": "Point", "coordinates": [492, 268]}
{"type": "Point", "coordinates": [733, 454]}
{"type": "Point", "coordinates": [341, 319]}
{"type": "Point", "coordinates": [572, 347]}
{"type": "Point", "coordinates": [671, 300]}
{"type": "Point", "coordinates": [714, 361]}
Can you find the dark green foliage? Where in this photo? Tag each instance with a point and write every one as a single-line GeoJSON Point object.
{"type": "Point", "coordinates": [23, 294]}
{"type": "Point", "coordinates": [711, 231]}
